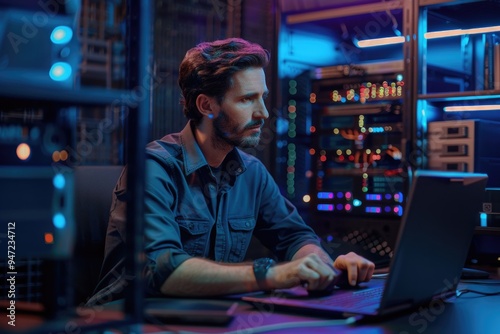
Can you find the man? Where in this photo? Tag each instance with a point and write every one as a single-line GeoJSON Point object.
{"type": "Point", "coordinates": [205, 198]}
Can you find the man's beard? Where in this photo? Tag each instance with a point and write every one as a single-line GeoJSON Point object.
{"type": "Point", "coordinates": [225, 128]}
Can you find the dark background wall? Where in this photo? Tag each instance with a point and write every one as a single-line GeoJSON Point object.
{"type": "Point", "coordinates": [179, 26]}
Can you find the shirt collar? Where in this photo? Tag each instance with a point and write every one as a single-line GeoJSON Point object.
{"type": "Point", "coordinates": [194, 158]}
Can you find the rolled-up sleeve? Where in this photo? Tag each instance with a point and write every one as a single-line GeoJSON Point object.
{"type": "Point", "coordinates": [162, 239]}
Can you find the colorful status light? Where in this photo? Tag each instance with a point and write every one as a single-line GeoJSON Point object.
{"type": "Point", "coordinates": [369, 91]}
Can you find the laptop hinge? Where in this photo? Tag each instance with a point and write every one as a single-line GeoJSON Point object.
{"type": "Point", "coordinates": [396, 308]}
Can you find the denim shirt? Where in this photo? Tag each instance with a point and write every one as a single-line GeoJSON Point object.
{"type": "Point", "coordinates": [192, 212]}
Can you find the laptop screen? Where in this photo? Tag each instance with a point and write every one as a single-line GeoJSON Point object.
{"type": "Point", "coordinates": [437, 228]}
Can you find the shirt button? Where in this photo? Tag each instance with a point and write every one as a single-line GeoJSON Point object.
{"type": "Point", "coordinates": [211, 187]}
{"type": "Point", "coordinates": [247, 224]}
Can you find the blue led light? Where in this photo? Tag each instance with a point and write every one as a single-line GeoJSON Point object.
{"type": "Point", "coordinates": [373, 197]}
{"type": "Point", "coordinates": [60, 71]}
{"type": "Point", "coordinates": [356, 202]}
{"type": "Point", "coordinates": [61, 35]}
{"type": "Point", "coordinates": [323, 195]}
{"type": "Point", "coordinates": [59, 221]}
{"type": "Point", "coordinates": [483, 219]}
{"type": "Point", "coordinates": [373, 209]}
{"type": "Point", "coordinates": [325, 207]}
{"type": "Point", "coordinates": [59, 181]}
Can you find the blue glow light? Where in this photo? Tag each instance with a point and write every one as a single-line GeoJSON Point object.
{"type": "Point", "coordinates": [59, 221]}
{"type": "Point", "coordinates": [373, 209]}
{"type": "Point", "coordinates": [483, 219]}
{"type": "Point", "coordinates": [323, 195]}
{"type": "Point", "coordinates": [357, 202]}
{"type": "Point", "coordinates": [60, 71]}
{"type": "Point", "coordinates": [316, 47]}
{"type": "Point", "coordinates": [373, 197]}
{"type": "Point", "coordinates": [59, 181]}
{"type": "Point", "coordinates": [325, 207]}
{"type": "Point", "coordinates": [61, 35]}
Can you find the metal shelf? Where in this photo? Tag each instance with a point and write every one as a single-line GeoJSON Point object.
{"type": "Point", "coordinates": [54, 94]}
{"type": "Point", "coordinates": [342, 12]}
{"type": "Point", "coordinates": [457, 96]}
{"type": "Point", "coordinates": [18, 89]}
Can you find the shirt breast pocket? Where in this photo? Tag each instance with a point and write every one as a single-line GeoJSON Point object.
{"type": "Point", "coordinates": [194, 235]}
{"type": "Point", "coordinates": [241, 230]}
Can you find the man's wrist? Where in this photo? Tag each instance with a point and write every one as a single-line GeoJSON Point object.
{"type": "Point", "coordinates": [260, 269]}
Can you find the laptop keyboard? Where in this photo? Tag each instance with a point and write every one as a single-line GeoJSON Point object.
{"type": "Point", "coordinates": [355, 300]}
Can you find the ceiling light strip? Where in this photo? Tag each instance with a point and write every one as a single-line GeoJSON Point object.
{"type": "Point", "coordinates": [460, 32]}
{"type": "Point", "coordinates": [472, 108]}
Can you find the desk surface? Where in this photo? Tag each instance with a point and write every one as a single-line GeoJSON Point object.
{"type": "Point", "coordinates": [470, 313]}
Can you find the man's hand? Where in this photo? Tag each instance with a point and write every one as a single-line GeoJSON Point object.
{"type": "Point", "coordinates": [310, 270]}
{"type": "Point", "coordinates": [358, 268]}
{"type": "Point", "coordinates": [311, 265]}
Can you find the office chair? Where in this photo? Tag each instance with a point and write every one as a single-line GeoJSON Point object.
{"type": "Point", "coordinates": [94, 187]}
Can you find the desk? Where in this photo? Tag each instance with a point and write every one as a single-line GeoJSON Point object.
{"type": "Point", "coordinates": [469, 314]}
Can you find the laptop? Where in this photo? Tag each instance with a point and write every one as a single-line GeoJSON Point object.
{"type": "Point", "coordinates": [431, 248]}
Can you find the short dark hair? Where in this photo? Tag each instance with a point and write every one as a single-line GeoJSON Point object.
{"type": "Point", "coordinates": [208, 69]}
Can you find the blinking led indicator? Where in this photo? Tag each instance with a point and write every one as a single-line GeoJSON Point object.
{"type": "Point", "coordinates": [61, 35]}
{"type": "Point", "coordinates": [60, 71]}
